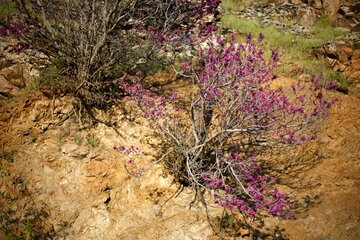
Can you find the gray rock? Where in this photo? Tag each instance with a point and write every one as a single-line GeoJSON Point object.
{"type": "Point", "coordinates": [274, 14]}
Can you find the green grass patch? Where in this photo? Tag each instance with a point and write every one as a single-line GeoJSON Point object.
{"type": "Point", "coordinates": [235, 5]}
{"type": "Point", "coordinates": [292, 48]}
{"type": "Point", "coordinates": [33, 83]}
{"type": "Point", "coordinates": [232, 5]}
{"type": "Point", "coordinates": [323, 31]}
{"type": "Point", "coordinates": [79, 141]}
{"type": "Point", "coordinates": [7, 7]}
{"type": "Point", "coordinates": [92, 140]}
{"type": "Point", "coordinates": [274, 37]}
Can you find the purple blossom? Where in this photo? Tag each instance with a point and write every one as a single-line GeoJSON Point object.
{"type": "Point", "coordinates": [261, 37]}
{"type": "Point", "coordinates": [251, 212]}
{"type": "Point", "coordinates": [233, 98]}
{"type": "Point", "coordinates": [332, 85]}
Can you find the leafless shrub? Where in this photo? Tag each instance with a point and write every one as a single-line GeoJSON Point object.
{"type": "Point", "coordinates": [91, 42]}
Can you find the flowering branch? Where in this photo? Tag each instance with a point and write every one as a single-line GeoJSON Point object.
{"type": "Point", "coordinates": [235, 113]}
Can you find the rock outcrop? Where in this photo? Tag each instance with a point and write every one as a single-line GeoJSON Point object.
{"type": "Point", "coordinates": [342, 56]}
{"type": "Point", "coordinates": [275, 14]}
{"type": "Point", "coordinates": [13, 78]}
{"type": "Point", "coordinates": [79, 183]}
{"type": "Point", "coordinates": [342, 13]}
{"type": "Point", "coordinates": [17, 69]}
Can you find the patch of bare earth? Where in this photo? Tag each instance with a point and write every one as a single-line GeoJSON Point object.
{"type": "Point", "coordinates": [335, 194]}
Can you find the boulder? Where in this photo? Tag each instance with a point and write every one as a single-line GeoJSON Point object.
{"type": "Point", "coordinates": [356, 54]}
{"type": "Point", "coordinates": [331, 7]}
{"type": "Point", "coordinates": [355, 64]}
{"type": "Point", "coordinates": [316, 4]}
{"type": "Point", "coordinates": [355, 7]}
{"type": "Point", "coordinates": [348, 15]}
{"type": "Point", "coordinates": [307, 17]}
{"type": "Point", "coordinates": [4, 63]}
{"type": "Point", "coordinates": [6, 88]}
{"type": "Point", "coordinates": [345, 53]}
{"type": "Point", "coordinates": [17, 74]}
{"type": "Point", "coordinates": [340, 67]}
{"type": "Point", "coordinates": [342, 55]}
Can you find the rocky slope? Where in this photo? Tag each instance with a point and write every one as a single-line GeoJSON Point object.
{"type": "Point", "coordinates": [342, 13]}
{"type": "Point", "coordinates": [70, 184]}
{"type": "Point", "coordinates": [62, 181]}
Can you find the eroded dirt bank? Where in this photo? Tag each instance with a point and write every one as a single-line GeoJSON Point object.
{"type": "Point", "coordinates": [69, 183]}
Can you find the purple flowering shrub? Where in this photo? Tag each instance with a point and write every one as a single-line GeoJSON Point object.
{"type": "Point", "coordinates": [233, 113]}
